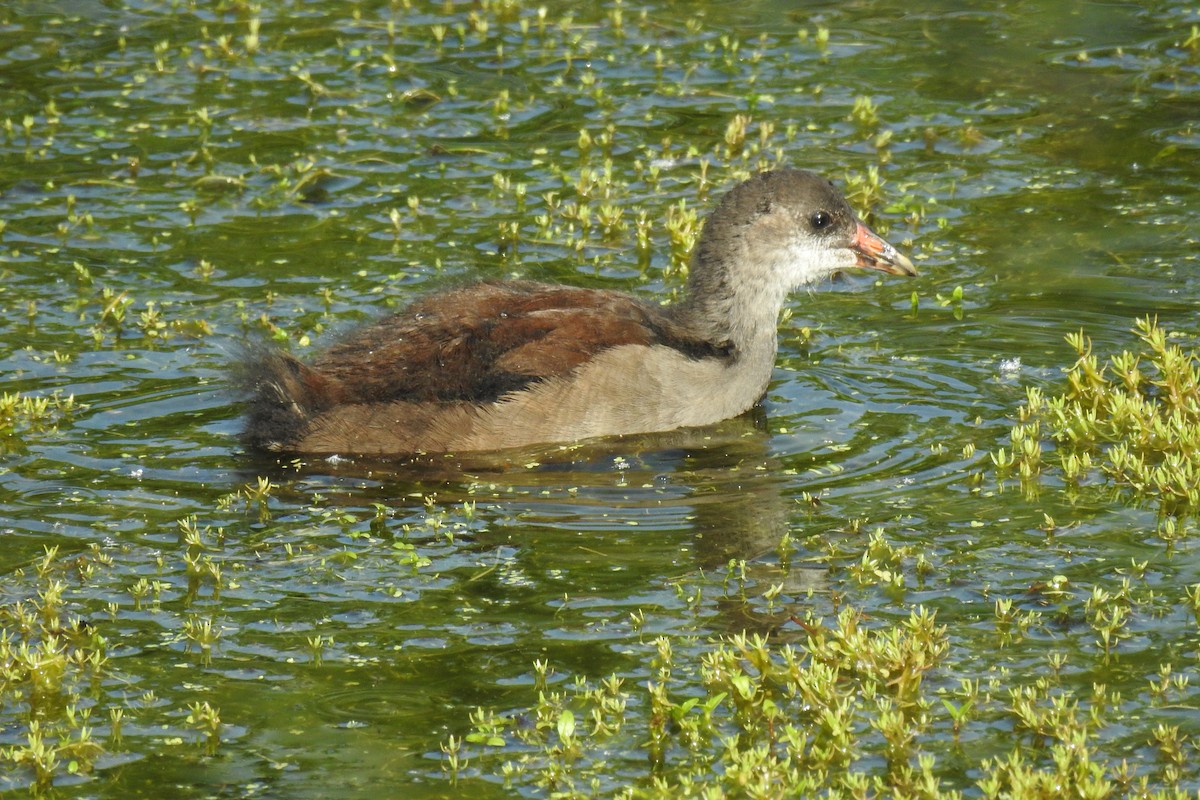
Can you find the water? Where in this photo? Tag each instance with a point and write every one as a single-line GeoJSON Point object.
{"type": "Point", "coordinates": [292, 185]}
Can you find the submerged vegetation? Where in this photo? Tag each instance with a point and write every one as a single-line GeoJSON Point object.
{"type": "Point", "coordinates": [1134, 420]}
{"type": "Point", "coordinates": [845, 707]}
{"type": "Point", "coordinates": [65, 703]}
{"type": "Point", "coordinates": [24, 413]}
{"type": "Point", "coordinates": [847, 712]}
{"type": "Point", "coordinates": [841, 602]}
{"type": "Point", "coordinates": [48, 658]}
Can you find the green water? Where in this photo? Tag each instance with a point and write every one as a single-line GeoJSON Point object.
{"type": "Point", "coordinates": [294, 178]}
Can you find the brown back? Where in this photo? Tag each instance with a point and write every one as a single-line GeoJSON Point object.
{"type": "Point", "coordinates": [480, 342]}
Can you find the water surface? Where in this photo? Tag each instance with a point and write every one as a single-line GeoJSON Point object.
{"type": "Point", "coordinates": [212, 172]}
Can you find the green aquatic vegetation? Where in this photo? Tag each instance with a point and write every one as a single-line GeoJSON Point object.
{"type": "Point", "coordinates": [592, 215]}
{"type": "Point", "coordinates": [21, 414]}
{"type": "Point", "coordinates": [155, 325]}
{"type": "Point", "coordinates": [1134, 420]}
{"type": "Point", "coordinates": [48, 658]}
{"type": "Point", "coordinates": [242, 127]}
{"type": "Point", "coordinates": [865, 112]}
{"type": "Point", "coordinates": [62, 703]}
{"type": "Point", "coordinates": [954, 301]}
{"type": "Point", "coordinates": [316, 647]}
{"type": "Point", "coordinates": [882, 563]}
{"type": "Point", "coordinates": [865, 191]}
{"type": "Point", "coordinates": [206, 720]}
{"type": "Point", "coordinates": [38, 413]}
{"type": "Point", "coordinates": [114, 311]}
{"type": "Point", "coordinates": [202, 633]}
{"type": "Point", "coordinates": [848, 711]}
{"type": "Point", "coordinates": [200, 567]}
{"type": "Point", "coordinates": [113, 307]}
{"type": "Point", "coordinates": [770, 721]}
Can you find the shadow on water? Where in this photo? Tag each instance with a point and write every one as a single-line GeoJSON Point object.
{"type": "Point", "coordinates": [721, 485]}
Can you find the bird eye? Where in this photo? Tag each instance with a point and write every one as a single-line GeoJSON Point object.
{"type": "Point", "coordinates": [821, 220]}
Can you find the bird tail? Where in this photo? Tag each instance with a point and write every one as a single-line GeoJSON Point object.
{"type": "Point", "coordinates": [283, 396]}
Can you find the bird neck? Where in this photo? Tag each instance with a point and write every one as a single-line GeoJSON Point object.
{"type": "Point", "coordinates": [744, 313]}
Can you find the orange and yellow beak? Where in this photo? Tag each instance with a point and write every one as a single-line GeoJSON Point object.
{"type": "Point", "coordinates": [874, 253]}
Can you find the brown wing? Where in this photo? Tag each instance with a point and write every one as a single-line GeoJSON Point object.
{"type": "Point", "coordinates": [483, 341]}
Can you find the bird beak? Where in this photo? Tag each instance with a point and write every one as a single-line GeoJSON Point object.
{"type": "Point", "coordinates": [874, 253]}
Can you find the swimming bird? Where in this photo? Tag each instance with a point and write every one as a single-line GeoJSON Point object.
{"type": "Point", "coordinates": [505, 364]}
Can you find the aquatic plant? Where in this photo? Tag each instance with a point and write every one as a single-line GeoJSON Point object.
{"type": "Point", "coordinates": [1134, 420]}
{"type": "Point", "coordinates": [849, 711]}
{"type": "Point", "coordinates": [48, 657]}
{"type": "Point", "coordinates": [23, 413]}
{"type": "Point", "coordinates": [62, 704]}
